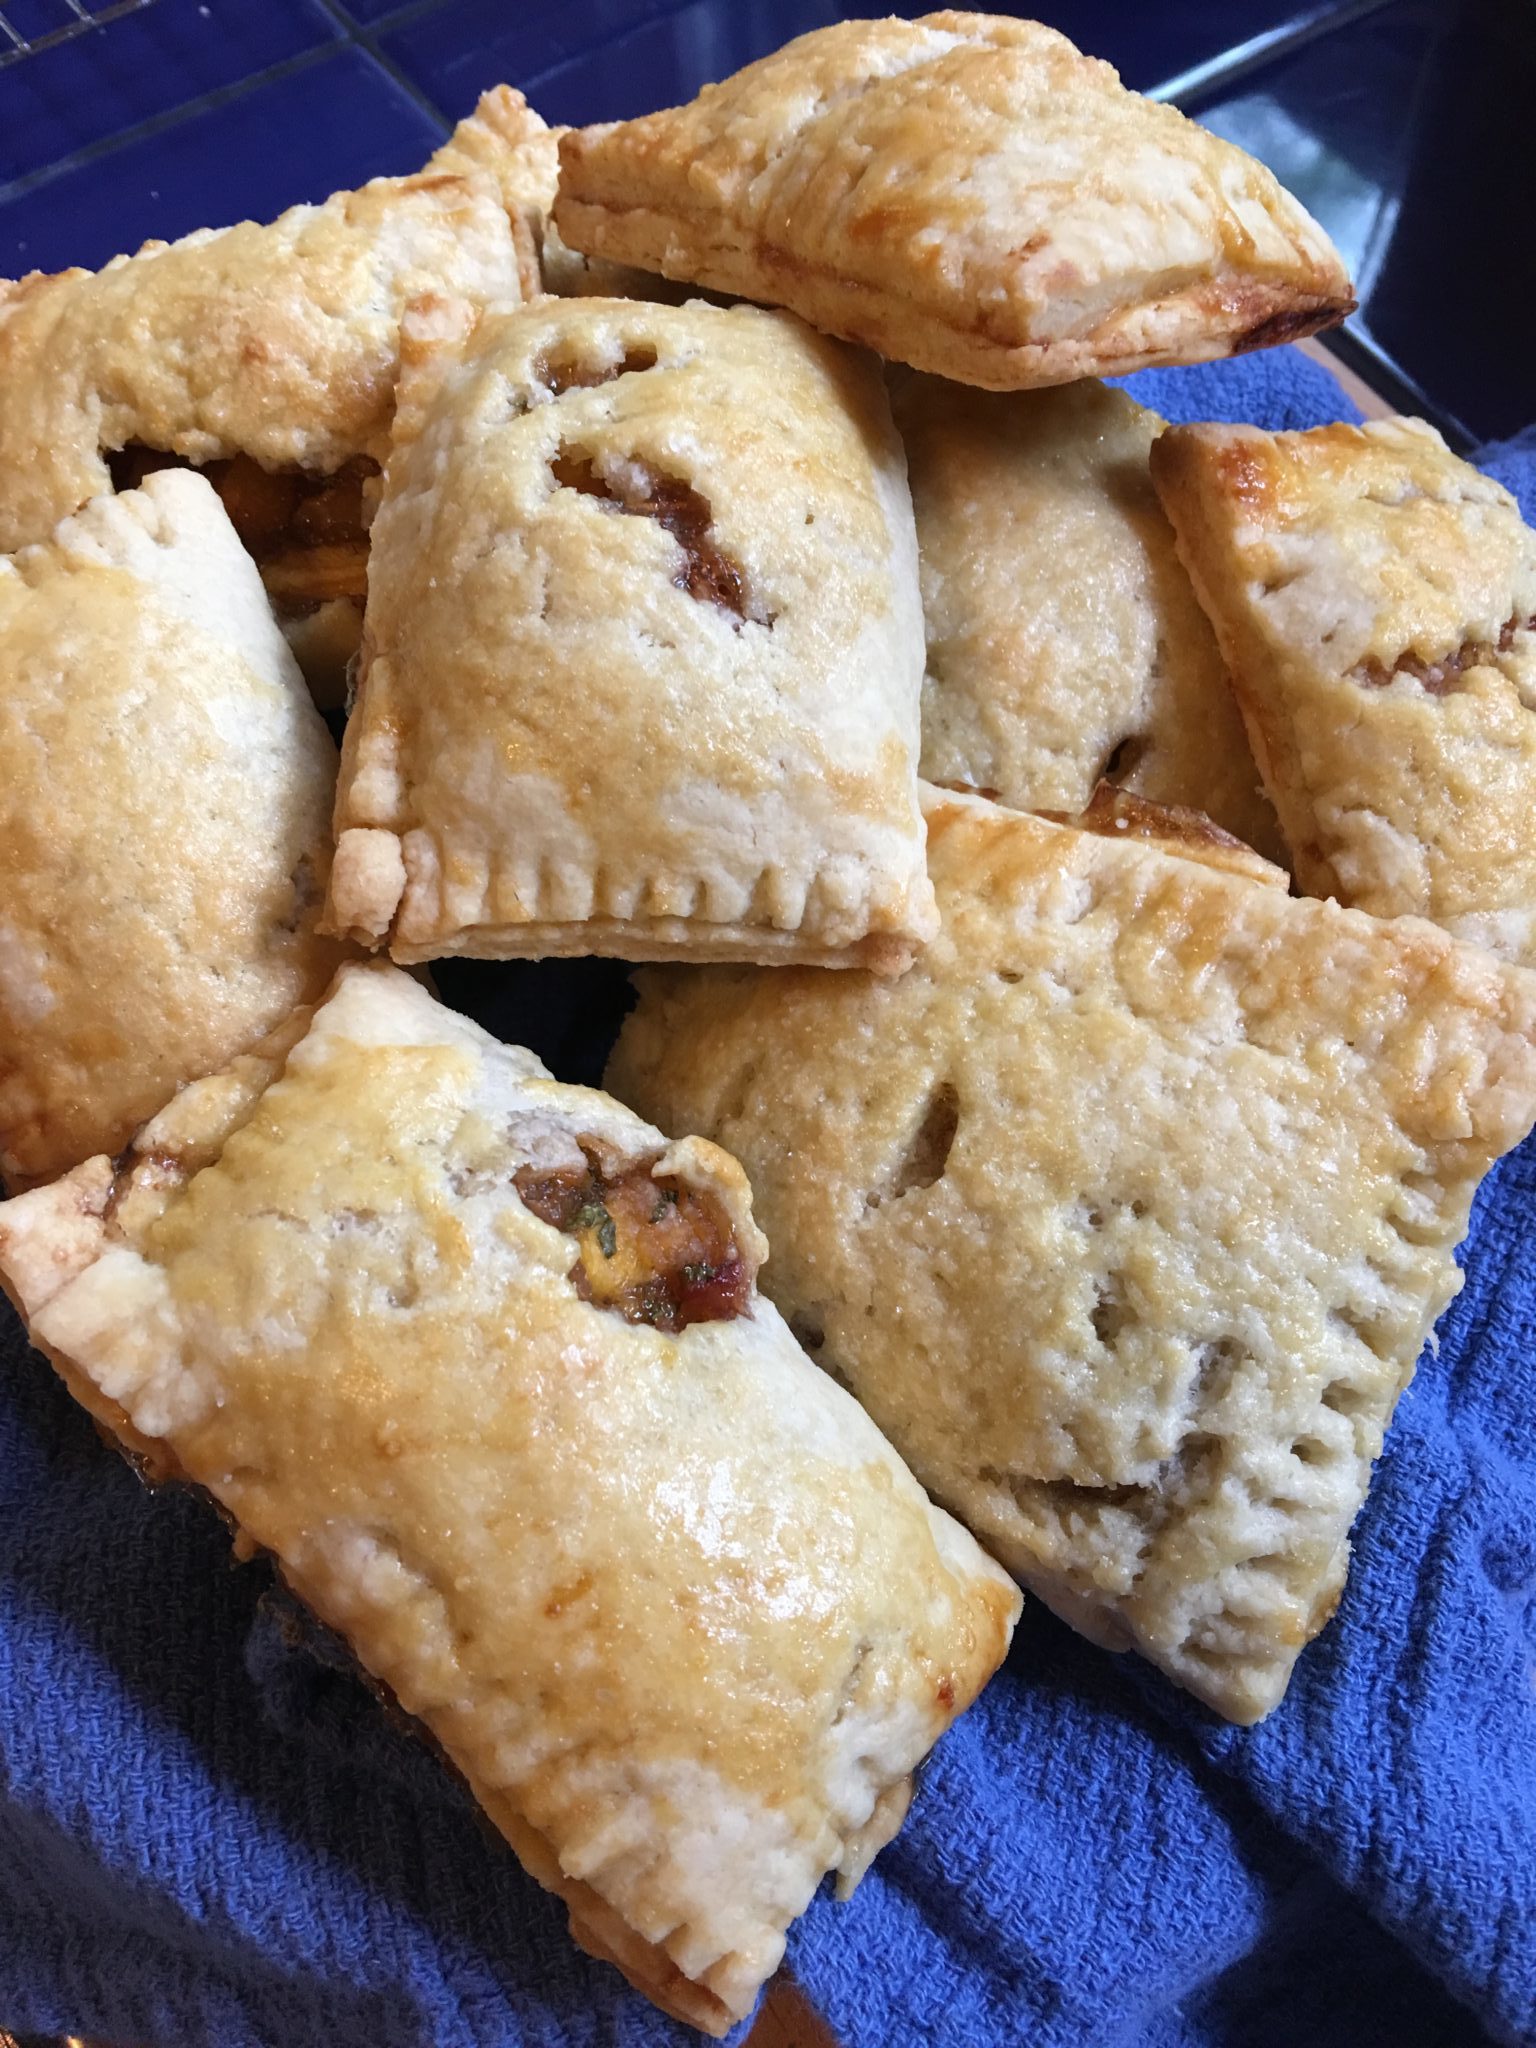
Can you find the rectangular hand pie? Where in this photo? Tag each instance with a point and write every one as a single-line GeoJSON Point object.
{"type": "Point", "coordinates": [266, 355]}
{"type": "Point", "coordinates": [1131, 1235]}
{"type": "Point", "coordinates": [478, 1358]}
{"type": "Point", "coordinates": [1065, 643]}
{"type": "Point", "coordinates": [644, 648]}
{"type": "Point", "coordinates": [967, 193]}
{"type": "Point", "coordinates": [1375, 598]}
{"type": "Point", "coordinates": [165, 789]}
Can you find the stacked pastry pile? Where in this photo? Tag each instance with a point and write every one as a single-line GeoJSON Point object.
{"type": "Point", "coordinates": [1118, 1183]}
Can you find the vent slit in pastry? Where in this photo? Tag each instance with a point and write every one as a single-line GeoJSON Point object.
{"type": "Point", "coordinates": [568, 370]}
{"type": "Point", "coordinates": [652, 1249]}
{"type": "Point", "coordinates": [932, 1142]}
{"type": "Point", "coordinates": [1439, 678]}
{"type": "Point", "coordinates": [707, 573]}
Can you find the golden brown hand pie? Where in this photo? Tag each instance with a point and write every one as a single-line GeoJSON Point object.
{"type": "Point", "coordinates": [1065, 642]}
{"type": "Point", "coordinates": [1376, 602]}
{"type": "Point", "coordinates": [966, 193]}
{"type": "Point", "coordinates": [435, 1330]}
{"type": "Point", "coordinates": [1130, 1229]}
{"type": "Point", "coordinates": [644, 649]}
{"type": "Point", "coordinates": [164, 791]}
{"type": "Point", "coordinates": [268, 354]}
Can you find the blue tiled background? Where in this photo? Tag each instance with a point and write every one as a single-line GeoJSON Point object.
{"type": "Point", "coordinates": [1401, 123]}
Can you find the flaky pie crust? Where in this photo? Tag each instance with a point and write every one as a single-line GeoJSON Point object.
{"type": "Point", "coordinates": [966, 193]}
{"type": "Point", "coordinates": [1131, 1236]}
{"type": "Point", "coordinates": [581, 729]}
{"type": "Point", "coordinates": [670, 1604]}
{"type": "Point", "coordinates": [1375, 598]}
{"type": "Point", "coordinates": [279, 342]}
{"type": "Point", "coordinates": [1065, 640]}
{"type": "Point", "coordinates": [165, 788]}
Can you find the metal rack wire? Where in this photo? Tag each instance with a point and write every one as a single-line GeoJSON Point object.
{"type": "Point", "coordinates": [65, 20]}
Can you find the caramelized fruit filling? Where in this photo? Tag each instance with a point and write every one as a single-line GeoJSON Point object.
{"type": "Point", "coordinates": [705, 571]}
{"type": "Point", "coordinates": [1440, 678]}
{"type": "Point", "coordinates": [308, 534]}
{"type": "Point", "coordinates": [653, 1250]}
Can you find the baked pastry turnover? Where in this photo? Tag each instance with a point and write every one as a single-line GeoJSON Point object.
{"type": "Point", "coordinates": [1065, 642]}
{"type": "Point", "coordinates": [644, 648]}
{"type": "Point", "coordinates": [1376, 601]}
{"type": "Point", "coordinates": [1131, 1234]}
{"type": "Point", "coordinates": [165, 785]}
{"type": "Point", "coordinates": [266, 355]}
{"type": "Point", "coordinates": [966, 193]}
{"type": "Point", "coordinates": [479, 1359]}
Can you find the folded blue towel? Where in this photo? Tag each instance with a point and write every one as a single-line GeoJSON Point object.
{"type": "Point", "coordinates": [209, 1832]}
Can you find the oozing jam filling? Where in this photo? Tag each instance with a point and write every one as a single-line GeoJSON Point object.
{"type": "Point", "coordinates": [654, 1251]}
{"type": "Point", "coordinates": [308, 534]}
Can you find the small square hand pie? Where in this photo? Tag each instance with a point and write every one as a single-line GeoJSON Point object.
{"type": "Point", "coordinates": [1131, 1235]}
{"type": "Point", "coordinates": [1065, 642]}
{"type": "Point", "coordinates": [165, 785]}
{"type": "Point", "coordinates": [1376, 602]}
{"type": "Point", "coordinates": [479, 1359]}
{"type": "Point", "coordinates": [266, 354]}
{"type": "Point", "coordinates": [644, 648]}
{"type": "Point", "coordinates": [966, 193]}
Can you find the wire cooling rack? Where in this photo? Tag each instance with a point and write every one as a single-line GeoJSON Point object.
{"type": "Point", "coordinates": [51, 22]}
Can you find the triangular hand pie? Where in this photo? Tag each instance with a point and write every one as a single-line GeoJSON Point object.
{"type": "Point", "coordinates": [165, 793]}
{"type": "Point", "coordinates": [644, 648]}
{"type": "Point", "coordinates": [967, 193]}
{"type": "Point", "coordinates": [1375, 598]}
{"type": "Point", "coordinates": [1131, 1229]}
{"type": "Point", "coordinates": [479, 1359]}
{"type": "Point", "coordinates": [1065, 642]}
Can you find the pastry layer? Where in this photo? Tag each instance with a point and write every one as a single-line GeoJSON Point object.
{"type": "Point", "coordinates": [165, 788]}
{"type": "Point", "coordinates": [644, 647]}
{"type": "Point", "coordinates": [967, 193]}
{"type": "Point", "coordinates": [1375, 598]}
{"type": "Point", "coordinates": [668, 1601]}
{"type": "Point", "coordinates": [1126, 1212]}
{"type": "Point", "coordinates": [1065, 642]}
{"type": "Point", "coordinates": [278, 342]}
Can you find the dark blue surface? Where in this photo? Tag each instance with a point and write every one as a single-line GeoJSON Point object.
{"type": "Point", "coordinates": [81, 92]}
{"type": "Point", "coordinates": [342, 120]}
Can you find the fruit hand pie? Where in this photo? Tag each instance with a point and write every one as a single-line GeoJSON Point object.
{"type": "Point", "coordinates": [966, 193]}
{"type": "Point", "coordinates": [1065, 642]}
{"type": "Point", "coordinates": [479, 1359]}
{"type": "Point", "coordinates": [165, 786]}
{"type": "Point", "coordinates": [266, 355]}
{"type": "Point", "coordinates": [644, 648]}
{"type": "Point", "coordinates": [1375, 598]}
{"type": "Point", "coordinates": [1131, 1236]}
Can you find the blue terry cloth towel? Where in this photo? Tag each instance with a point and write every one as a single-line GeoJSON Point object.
{"type": "Point", "coordinates": [210, 1834]}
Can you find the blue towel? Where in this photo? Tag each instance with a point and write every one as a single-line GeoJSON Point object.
{"type": "Point", "coordinates": [210, 1833]}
